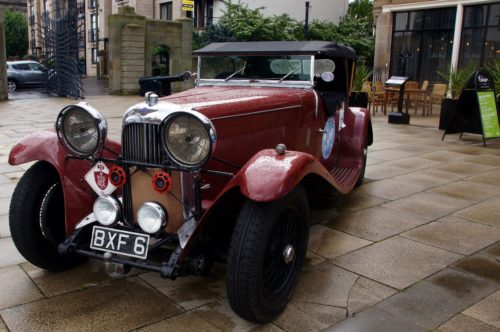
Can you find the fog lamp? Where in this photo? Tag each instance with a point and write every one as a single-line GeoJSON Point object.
{"type": "Point", "coordinates": [107, 210]}
{"type": "Point", "coordinates": [152, 217]}
{"type": "Point", "coordinates": [117, 176]}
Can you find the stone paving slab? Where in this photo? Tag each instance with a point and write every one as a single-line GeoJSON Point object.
{"type": "Point", "coordinates": [16, 287]}
{"type": "Point", "coordinates": [455, 234]}
{"type": "Point", "coordinates": [397, 262]}
{"type": "Point", "coordinates": [428, 205]}
{"type": "Point", "coordinates": [376, 223]}
{"type": "Point", "coordinates": [8, 253]}
{"type": "Point", "coordinates": [330, 243]}
{"type": "Point", "coordinates": [182, 323]}
{"type": "Point", "coordinates": [467, 324]}
{"type": "Point", "coordinates": [487, 212]}
{"type": "Point", "coordinates": [487, 310]}
{"type": "Point", "coordinates": [109, 307]}
{"type": "Point", "coordinates": [482, 265]}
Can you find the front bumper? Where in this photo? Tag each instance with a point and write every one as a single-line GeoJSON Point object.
{"type": "Point", "coordinates": [163, 255]}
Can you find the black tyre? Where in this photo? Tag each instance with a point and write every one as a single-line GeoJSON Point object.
{"type": "Point", "coordinates": [361, 178]}
{"type": "Point", "coordinates": [11, 85]}
{"type": "Point", "coordinates": [36, 218]}
{"type": "Point", "coordinates": [266, 254]}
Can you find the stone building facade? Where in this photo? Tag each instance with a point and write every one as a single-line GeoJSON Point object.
{"type": "Point", "coordinates": [418, 38]}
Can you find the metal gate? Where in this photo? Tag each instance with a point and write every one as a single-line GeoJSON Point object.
{"type": "Point", "coordinates": [61, 31]}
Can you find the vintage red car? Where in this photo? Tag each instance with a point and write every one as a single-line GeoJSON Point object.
{"type": "Point", "coordinates": [225, 171]}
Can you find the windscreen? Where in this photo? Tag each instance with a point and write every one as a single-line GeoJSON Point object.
{"type": "Point", "coordinates": [279, 68]}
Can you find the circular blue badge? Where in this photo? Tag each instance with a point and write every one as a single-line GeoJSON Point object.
{"type": "Point", "coordinates": [328, 137]}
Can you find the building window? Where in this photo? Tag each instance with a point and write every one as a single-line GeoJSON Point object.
{"type": "Point", "coordinates": [480, 42]}
{"type": "Point", "coordinates": [92, 4]}
{"type": "Point", "coordinates": [33, 42]}
{"type": "Point", "coordinates": [94, 55]}
{"type": "Point", "coordinates": [203, 13]}
{"type": "Point", "coordinates": [422, 43]}
{"type": "Point", "coordinates": [93, 28]}
{"type": "Point", "coordinates": [166, 11]}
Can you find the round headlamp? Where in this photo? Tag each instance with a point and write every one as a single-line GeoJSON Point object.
{"type": "Point", "coordinates": [188, 138]}
{"type": "Point", "coordinates": [81, 129]}
{"type": "Point", "coordinates": [152, 217]}
{"type": "Point", "coordinates": [107, 210]}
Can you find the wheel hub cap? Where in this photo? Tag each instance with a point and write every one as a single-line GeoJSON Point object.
{"type": "Point", "coordinates": [288, 254]}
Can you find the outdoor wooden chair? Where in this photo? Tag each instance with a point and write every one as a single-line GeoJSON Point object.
{"type": "Point", "coordinates": [435, 97]}
{"type": "Point", "coordinates": [377, 97]}
{"type": "Point", "coordinates": [421, 98]}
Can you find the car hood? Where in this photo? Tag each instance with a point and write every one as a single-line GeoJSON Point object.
{"type": "Point", "coordinates": [216, 102]}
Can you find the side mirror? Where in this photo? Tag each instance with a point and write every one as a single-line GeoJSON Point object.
{"type": "Point", "coordinates": [327, 76]}
{"type": "Point", "coordinates": [187, 75]}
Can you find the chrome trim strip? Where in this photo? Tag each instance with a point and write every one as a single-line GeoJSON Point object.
{"type": "Point", "coordinates": [259, 112]}
{"type": "Point", "coordinates": [267, 84]}
{"type": "Point", "coordinates": [89, 219]}
{"type": "Point", "coordinates": [316, 103]}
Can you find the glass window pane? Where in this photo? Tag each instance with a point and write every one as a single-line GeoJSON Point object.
{"type": "Point", "coordinates": [492, 45]}
{"type": "Point", "coordinates": [471, 47]}
{"type": "Point", "coordinates": [400, 21]}
{"type": "Point", "coordinates": [416, 20]}
{"type": "Point", "coordinates": [432, 19]}
{"type": "Point", "coordinates": [474, 16]}
{"type": "Point", "coordinates": [448, 18]}
{"type": "Point", "coordinates": [494, 18]}
{"type": "Point", "coordinates": [436, 54]}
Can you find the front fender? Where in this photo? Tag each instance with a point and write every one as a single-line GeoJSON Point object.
{"type": "Point", "coordinates": [268, 176]}
{"type": "Point", "coordinates": [44, 145]}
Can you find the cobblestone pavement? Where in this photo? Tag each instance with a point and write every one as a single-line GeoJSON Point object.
{"type": "Point", "coordinates": [415, 248]}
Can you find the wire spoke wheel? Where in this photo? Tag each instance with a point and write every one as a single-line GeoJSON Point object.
{"type": "Point", "coordinates": [266, 254]}
{"type": "Point", "coordinates": [279, 260]}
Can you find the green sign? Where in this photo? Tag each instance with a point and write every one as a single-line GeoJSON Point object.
{"type": "Point", "coordinates": [489, 115]}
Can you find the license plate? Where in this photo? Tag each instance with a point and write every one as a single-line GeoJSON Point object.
{"type": "Point", "coordinates": [120, 242]}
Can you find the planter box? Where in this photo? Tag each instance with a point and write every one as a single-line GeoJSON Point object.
{"type": "Point", "coordinates": [358, 99]}
{"type": "Point", "coordinates": [448, 107]}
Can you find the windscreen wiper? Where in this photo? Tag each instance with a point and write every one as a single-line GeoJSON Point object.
{"type": "Point", "coordinates": [289, 73]}
{"type": "Point", "coordinates": [236, 72]}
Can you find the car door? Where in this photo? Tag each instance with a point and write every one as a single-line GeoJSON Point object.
{"type": "Point", "coordinates": [37, 74]}
{"type": "Point", "coordinates": [22, 71]}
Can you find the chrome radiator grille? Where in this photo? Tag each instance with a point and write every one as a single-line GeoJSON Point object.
{"type": "Point", "coordinates": [141, 143]}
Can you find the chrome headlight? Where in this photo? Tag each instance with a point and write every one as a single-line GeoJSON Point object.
{"type": "Point", "coordinates": [107, 210]}
{"type": "Point", "coordinates": [152, 217]}
{"type": "Point", "coordinates": [188, 138]}
{"type": "Point", "coordinates": [81, 129]}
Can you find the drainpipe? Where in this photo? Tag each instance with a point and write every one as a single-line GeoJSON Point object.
{"type": "Point", "coordinates": [306, 22]}
{"type": "Point", "coordinates": [456, 40]}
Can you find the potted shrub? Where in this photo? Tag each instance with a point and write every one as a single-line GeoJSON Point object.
{"type": "Point", "coordinates": [456, 80]}
{"type": "Point", "coordinates": [359, 97]}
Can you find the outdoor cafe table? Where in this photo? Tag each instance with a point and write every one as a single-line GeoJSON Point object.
{"type": "Point", "coordinates": [408, 94]}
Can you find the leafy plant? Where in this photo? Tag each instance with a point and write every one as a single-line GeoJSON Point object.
{"type": "Point", "coordinates": [494, 69]}
{"type": "Point", "coordinates": [16, 33]}
{"type": "Point", "coordinates": [361, 75]}
{"type": "Point", "coordinates": [456, 79]}
{"type": "Point", "coordinates": [240, 23]}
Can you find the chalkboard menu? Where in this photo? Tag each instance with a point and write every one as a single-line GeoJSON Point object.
{"type": "Point", "coordinates": [489, 115]}
{"type": "Point", "coordinates": [476, 110]}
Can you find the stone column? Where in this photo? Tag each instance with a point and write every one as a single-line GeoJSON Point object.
{"type": "Point", "coordinates": [383, 40]}
{"type": "Point", "coordinates": [3, 70]}
{"type": "Point", "coordinates": [133, 41]}
{"type": "Point", "coordinates": [117, 23]}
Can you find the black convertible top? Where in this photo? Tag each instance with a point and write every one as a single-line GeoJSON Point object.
{"type": "Point", "coordinates": [278, 48]}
